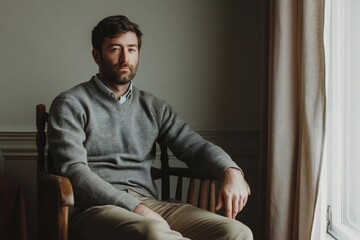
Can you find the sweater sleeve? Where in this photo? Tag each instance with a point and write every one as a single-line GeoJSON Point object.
{"type": "Point", "coordinates": [188, 146]}
{"type": "Point", "coordinates": [66, 139]}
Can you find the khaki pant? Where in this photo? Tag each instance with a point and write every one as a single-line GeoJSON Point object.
{"type": "Point", "coordinates": [185, 221]}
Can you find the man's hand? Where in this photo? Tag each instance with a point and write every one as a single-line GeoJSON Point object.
{"type": "Point", "coordinates": [234, 193]}
{"type": "Point", "coordinates": [144, 211]}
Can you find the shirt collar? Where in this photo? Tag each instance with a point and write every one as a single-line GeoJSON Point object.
{"type": "Point", "coordinates": [110, 93]}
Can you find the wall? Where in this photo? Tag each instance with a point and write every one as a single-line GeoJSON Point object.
{"type": "Point", "coordinates": [204, 57]}
{"type": "Point", "coordinates": [200, 56]}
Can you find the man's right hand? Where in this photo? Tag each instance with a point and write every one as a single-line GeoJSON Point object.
{"type": "Point", "coordinates": [143, 210]}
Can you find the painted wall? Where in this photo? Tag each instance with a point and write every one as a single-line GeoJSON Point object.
{"type": "Point", "coordinates": [204, 57]}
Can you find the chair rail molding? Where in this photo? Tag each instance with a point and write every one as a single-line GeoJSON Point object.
{"type": "Point", "coordinates": [22, 145]}
{"type": "Point", "coordinates": [18, 145]}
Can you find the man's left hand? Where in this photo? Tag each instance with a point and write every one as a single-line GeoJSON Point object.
{"type": "Point", "coordinates": [233, 193]}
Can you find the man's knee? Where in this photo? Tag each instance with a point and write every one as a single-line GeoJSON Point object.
{"type": "Point", "coordinates": [236, 230]}
{"type": "Point", "coordinates": [153, 230]}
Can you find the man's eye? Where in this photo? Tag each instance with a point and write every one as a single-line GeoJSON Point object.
{"type": "Point", "coordinates": [132, 50]}
{"type": "Point", "coordinates": [115, 50]}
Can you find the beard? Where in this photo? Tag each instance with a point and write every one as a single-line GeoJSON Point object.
{"type": "Point", "coordinates": [119, 74]}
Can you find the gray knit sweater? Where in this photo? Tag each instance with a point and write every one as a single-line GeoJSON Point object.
{"type": "Point", "coordinates": [104, 147]}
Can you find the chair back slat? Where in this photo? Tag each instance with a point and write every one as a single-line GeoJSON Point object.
{"type": "Point", "coordinates": [41, 120]}
{"type": "Point", "coordinates": [179, 187]}
{"type": "Point", "coordinates": [165, 178]}
{"type": "Point", "coordinates": [212, 193]}
{"type": "Point", "coordinates": [202, 196]}
{"type": "Point", "coordinates": [191, 192]}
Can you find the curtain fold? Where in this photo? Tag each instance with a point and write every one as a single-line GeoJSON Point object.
{"type": "Point", "coordinates": [296, 116]}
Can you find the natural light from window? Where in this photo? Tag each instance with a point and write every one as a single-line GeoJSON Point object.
{"type": "Point", "coordinates": [342, 44]}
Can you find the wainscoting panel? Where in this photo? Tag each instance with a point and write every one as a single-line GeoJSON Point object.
{"type": "Point", "coordinates": [19, 151]}
{"type": "Point", "coordinates": [18, 145]}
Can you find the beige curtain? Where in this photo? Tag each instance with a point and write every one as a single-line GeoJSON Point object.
{"type": "Point", "coordinates": [296, 116]}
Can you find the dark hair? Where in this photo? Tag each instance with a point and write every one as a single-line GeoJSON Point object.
{"type": "Point", "coordinates": [110, 26]}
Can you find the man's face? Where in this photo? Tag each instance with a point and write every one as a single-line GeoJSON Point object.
{"type": "Point", "coordinates": [119, 58]}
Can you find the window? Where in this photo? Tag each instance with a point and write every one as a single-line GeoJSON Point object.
{"type": "Point", "coordinates": [342, 38]}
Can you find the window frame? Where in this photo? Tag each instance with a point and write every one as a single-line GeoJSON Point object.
{"type": "Point", "coordinates": [337, 55]}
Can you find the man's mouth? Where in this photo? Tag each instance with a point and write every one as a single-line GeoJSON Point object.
{"type": "Point", "coordinates": [123, 69]}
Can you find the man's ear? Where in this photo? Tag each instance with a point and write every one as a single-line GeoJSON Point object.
{"type": "Point", "coordinates": [96, 56]}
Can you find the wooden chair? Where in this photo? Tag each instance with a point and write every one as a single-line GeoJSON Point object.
{"type": "Point", "coordinates": [55, 194]}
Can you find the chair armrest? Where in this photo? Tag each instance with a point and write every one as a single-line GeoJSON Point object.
{"type": "Point", "coordinates": [66, 196]}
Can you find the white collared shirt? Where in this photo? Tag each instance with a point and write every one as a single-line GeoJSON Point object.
{"type": "Point", "coordinates": [108, 91]}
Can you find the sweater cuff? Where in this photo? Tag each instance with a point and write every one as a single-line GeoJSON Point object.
{"type": "Point", "coordinates": [128, 202]}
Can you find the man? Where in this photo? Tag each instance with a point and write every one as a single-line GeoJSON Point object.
{"type": "Point", "coordinates": [102, 136]}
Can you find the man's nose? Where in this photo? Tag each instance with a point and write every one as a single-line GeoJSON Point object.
{"type": "Point", "coordinates": [123, 56]}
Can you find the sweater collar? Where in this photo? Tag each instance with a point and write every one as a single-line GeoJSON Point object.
{"type": "Point", "coordinates": [110, 93]}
